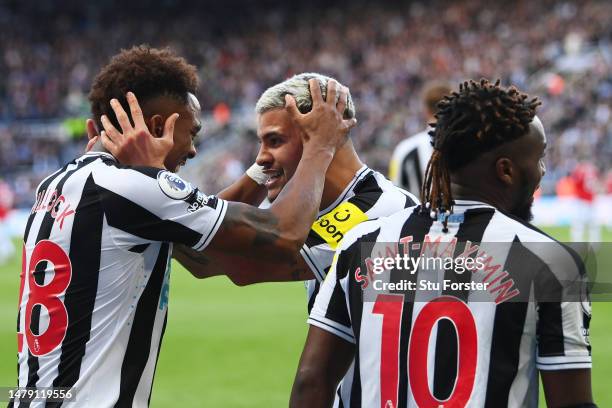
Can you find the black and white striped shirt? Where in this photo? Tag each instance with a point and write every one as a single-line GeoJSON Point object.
{"type": "Point", "coordinates": [369, 195]}
{"type": "Point", "coordinates": [96, 256]}
{"type": "Point", "coordinates": [430, 348]}
{"type": "Point", "coordinates": [409, 162]}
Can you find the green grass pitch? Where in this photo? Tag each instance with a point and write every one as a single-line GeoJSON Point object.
{"type": "Point", "coordinates": [227, 346]}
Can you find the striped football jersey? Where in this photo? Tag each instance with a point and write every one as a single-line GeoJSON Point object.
{"type": "Point", "coordinates": [96, 269]}
{"type": "Point", "coordinates": [369, 195]}
{"type": "Point", "coordinates": [455, 346]}
{"type": "Point", "coordinates": [409, 162]}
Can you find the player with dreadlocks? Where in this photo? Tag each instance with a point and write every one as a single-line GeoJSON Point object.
{"type": "Point", "coordinates": [457, 347]}
{"type": "Point", "coordinates": [471, 122]}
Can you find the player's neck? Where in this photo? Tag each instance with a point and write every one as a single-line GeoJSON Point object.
{"type": "Point", "coordinates": [340, 173]}
{"type": "Point", "coordinates": [98, 147]}
{"type": "Point", "coordinates": [475, 193]}
{"type": "Point", "coordinates": [474, 182]}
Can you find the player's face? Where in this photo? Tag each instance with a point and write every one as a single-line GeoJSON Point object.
{"type": "Point", "coordinates": [280, 149]}
{"type": "Point", "coordinates": [531, 169]}
{"type": "Point", "coordinates": [185, 132]}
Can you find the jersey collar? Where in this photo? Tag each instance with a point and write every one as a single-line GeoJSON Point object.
{"type": "Point", "coordinates": [359, 174]}
{"type": "Point", "coordinates": [105, 154]}
{"type": "Point", "coordinates": [468, 204]}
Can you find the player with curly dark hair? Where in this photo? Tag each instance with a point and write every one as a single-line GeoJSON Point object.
{"type": "Point", "coordinates": [97, 246]}
{"type": "Point", "coordinates": [164, 83]}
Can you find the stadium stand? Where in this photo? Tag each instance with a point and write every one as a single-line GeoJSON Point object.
{"type": "Point", "coordinates": [560, 51]}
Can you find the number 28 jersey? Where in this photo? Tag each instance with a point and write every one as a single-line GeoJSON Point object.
{"type": "Point", "coordinates": [96, 267]}
{"type": "Point", "coordinates": [446, 346]}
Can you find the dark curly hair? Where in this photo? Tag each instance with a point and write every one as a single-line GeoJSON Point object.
{"type": "Point", "coordinates": [148, 72]}
{"type": "Point", "coordinates": [475, 120]}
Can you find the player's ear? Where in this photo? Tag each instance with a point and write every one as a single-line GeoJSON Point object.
{"type": "Point", "coordinates": [156, 125]}
{"type": "Point", "coordinates": [92, 130]}
{"type": "Point", "coordinates": [505, 171]}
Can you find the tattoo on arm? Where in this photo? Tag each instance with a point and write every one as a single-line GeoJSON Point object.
{"type": "Point", "coordinates": [250, 239]}
{"type": "Point", "coordinates": [256, 230]}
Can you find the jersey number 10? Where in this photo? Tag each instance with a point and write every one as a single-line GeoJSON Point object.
{"type": "Point", "coordinates": [443, 307]}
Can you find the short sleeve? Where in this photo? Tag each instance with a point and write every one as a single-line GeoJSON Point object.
{"type": "Point", "coordinates": [563, 319]}
{"type": "Point", "coordinates": [148, 204]}
{"type": "Point", "coordinates": [563, 335]}
{"type": "Point", "coordinates": [330, 311]}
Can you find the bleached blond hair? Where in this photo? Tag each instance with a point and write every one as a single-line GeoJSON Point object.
{"type": "Point", "coordinates": [297, 86]}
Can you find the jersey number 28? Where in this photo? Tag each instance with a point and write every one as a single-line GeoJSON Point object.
{"type": "Point", "coordinates": [47, 296]}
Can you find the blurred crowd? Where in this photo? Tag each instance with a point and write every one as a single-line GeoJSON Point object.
{"type": "Point", "coordinates": [385, 53]}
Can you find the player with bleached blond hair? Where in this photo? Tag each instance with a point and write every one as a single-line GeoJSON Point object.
{"type": "Point", "coordinates": [352, 193]}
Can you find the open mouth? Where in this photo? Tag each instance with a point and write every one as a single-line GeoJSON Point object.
{"type": "Point", "coordinates": [273, 177]}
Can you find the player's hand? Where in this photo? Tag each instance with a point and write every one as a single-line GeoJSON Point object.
{"type": "Point", "coordinates": [92, 135]}
{"type": "Point", "coordinates": [135, 145]}
{"type": "Point", "coordinates": [324, 126]}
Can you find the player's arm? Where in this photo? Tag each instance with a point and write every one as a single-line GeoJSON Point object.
{"type": "Point", "coordinates": [241, 269]}
{"type": "Point", "coordinates": [142, 149]}
{"type": "Point", "coordinates": [248, 189]}
{"type": "Point", "coordinates": [276, 233]}
{"type": "Point", "coordinates": [567, 388]}
{"type": "Point", "coordinates": [563, 346]}
{"type": "Point", "coordinates": [330, 345]}
{"type": "Point", "coordinates": [135, 146]}
{"type": "Point", "coordinates": [324, 361]}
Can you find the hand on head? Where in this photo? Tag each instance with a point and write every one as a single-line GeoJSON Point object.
{"type": "Point", "coordinates": [324, 127]}
{"type": "Point", "coordinates": [134, 145]}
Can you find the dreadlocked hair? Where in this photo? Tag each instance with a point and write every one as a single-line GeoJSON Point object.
{"type": "Point", "coordinates": [478, 118]}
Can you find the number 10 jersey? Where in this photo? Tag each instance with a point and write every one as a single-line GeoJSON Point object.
{"type": "Point", "coordinates": [452, 344]}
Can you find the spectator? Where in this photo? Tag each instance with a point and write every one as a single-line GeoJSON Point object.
{"type": "Point", "coordinates": [559, 51]}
